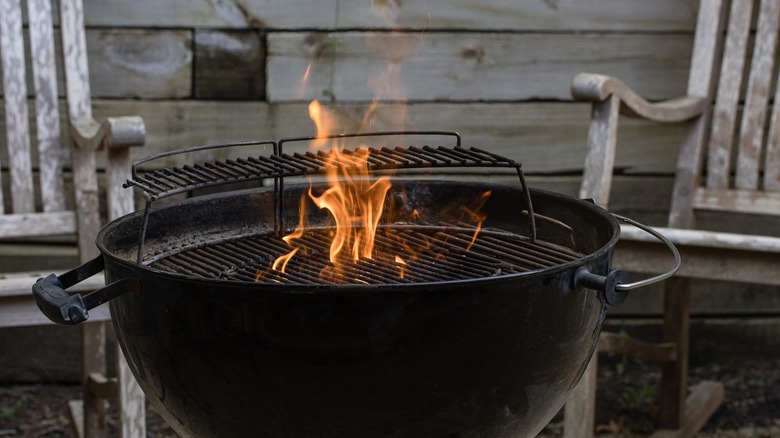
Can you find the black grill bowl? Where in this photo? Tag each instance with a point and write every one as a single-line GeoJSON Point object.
{"type": "Point", "coordinates": [486, 357]}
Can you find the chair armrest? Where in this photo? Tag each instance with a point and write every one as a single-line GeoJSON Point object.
{"type": "Point", "coordinates": [125, 131]}
{"type": "Point", "coordinates": [115, 132]}
{"type": "Point", "coordinates": [597, 88]}
{"type": "Point", "coordinates": [87, 133]}
{"type": "Point", "coordinates": [707, 239]}
{"type": "Point", "coordinates": [706, 254]}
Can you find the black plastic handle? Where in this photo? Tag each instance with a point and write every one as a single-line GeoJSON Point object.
{"type": "Point", "coordinates": [607, 284]}
{"type": "Point", "coordinates": [66, 309]}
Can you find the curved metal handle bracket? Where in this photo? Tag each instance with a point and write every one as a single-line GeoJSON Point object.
{"type": "Point", "coordinates": [660, 277]}
{"type": "Point", "coordinates": [615, 285]}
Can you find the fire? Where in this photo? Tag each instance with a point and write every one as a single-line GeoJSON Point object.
{"type": "Point", "coordinates": [474, 215]}
{"type": "Point", "coordinates": [354, 198]}
{"type": "Point", "coordinates": [280, 264]}
{"type": "Point", "coordinates": [356, 201]}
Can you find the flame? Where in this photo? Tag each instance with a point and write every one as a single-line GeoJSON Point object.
{"type": "Point", "coordinates": [280, 264]}
{"type": "Point", "coordinates": [474, 215]}
{"type": "Point", "coordinates": [356, 203]}
{"type": "Point", "coordinates": [401, 266]}
{"type": "Point", "coordinates": [356, 200]}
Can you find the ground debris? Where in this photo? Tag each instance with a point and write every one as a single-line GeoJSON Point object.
{"type": "Point", "coordinates": [627, 403]}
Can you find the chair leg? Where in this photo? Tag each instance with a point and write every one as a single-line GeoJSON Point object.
{"type": "Point", "coordinates": [674, 380]}
{"type": "Point", "coordinates": [580, 409]}
{"type": "Point", "coordinates": [132, 402]}
{"type": "Point", "coordinates": [93, 349]}
{"type": "Point", "coordinates": [682, 414]}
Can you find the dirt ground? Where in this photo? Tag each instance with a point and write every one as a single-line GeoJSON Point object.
{"type": "Point", "coordinates": [627, 401]}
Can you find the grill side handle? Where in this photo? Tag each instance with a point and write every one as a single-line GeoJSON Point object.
{"type": "Point", "coordinates": [66, 309]}
{"type": "Point", "coordinates": [615, 285]}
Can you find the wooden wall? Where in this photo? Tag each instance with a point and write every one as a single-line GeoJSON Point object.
{"type": "Point", "coordinates": [496, 71]}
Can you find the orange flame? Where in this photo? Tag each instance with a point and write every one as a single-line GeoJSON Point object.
{"type": "Point", "coordinates": [474, 215]}
{"type": "Point", "coordinates": [354, 200]}
{"type": "Point", "coordinates": [280, 264]}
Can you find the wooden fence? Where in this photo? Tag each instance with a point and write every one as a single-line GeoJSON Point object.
{"type": "Point", "coordinates": [496, 71]}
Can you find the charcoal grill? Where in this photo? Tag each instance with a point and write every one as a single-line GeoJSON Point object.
{"type": "Point", "coordinates": [486, 341]}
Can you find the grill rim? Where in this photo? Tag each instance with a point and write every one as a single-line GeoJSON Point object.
{"type": "Point", "coordinates": [363, 288]}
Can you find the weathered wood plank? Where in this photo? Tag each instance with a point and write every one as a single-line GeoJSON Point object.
{"type": "Point", "coordinates": [46, 106]}
{"type": "Point", "coordinates": [39, 257]}
{"type": "Point", "coordinates": [752, 131]}
{"type": "Point", "coordinates": [701, 83]}
{"type": "Point", "coordinates": [229, 65]}
{"type": "Point", "coordinates": [21, 311]}
{"type": "Point", "coordinates": [157, 63]}
{"type": "Point", "coordinates": [738, 201]}
{"type": "Point", "coordinates": [705, 398]}
{"type": "Point", "coordinates": [580, 409]}
{"type": "Point", "coordinates": [212, 13]}
{"type": "Point", "coordinates": [772, 164]}
{"type": "Point", "coordinates": [664, 15]}
{"type": "Point", "coordinates": [19, 284]}
{"type": "Point", "coordinates": [75, 60]}
{"type": "Point", "coordinates": [597, 88]}
{"type": "Point", "coordinates": [519, 15]}
{"type": "Point", "coordinates": [547, 137]}
{"type": "Point", "coordinates": [468, 66]}
{"type": "Point", "coordinates": [710, 263]}
{"type": "Point", "coordinates": [725, 111]}
{"type": "Point", "coordinates": [600, 159]}
{"type": "Point", "coordinates": [16, 114]}
{"type": "Point", "coordinates": [37, 224]}
{"type": "Point", "coordinates": [93, 335]}
{"type": "Point", "coordinates": [152, 64]}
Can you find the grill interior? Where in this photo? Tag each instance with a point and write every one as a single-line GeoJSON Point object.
{"type": "Point", "coordinates": [406, 251]}
{"type": "Point", "coordinates": [443, 256]}
{"type": "Point", "coordinates": [162, 183]}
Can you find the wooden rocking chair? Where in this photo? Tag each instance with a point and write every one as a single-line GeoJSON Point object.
{"type": "Point", "coordinates": [710, 117]}
{"type": "Point", "coordinates": [19, 215]}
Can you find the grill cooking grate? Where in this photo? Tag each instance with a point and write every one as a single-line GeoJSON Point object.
{"type": "Point", "coordinates": [445, 258]}
{"type": "Point", "coordinates": [162, 183]}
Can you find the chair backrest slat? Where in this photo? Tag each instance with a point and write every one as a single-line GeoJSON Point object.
{"type": "Point", "coordinates": [729, 86]}
{"type": "Point", "coordinates": [772, 165]}
{"type": "Point", "coordinates": [17, 126]}
{"type": "Point", "coordinates": [705, 47]}
{"type": "Point", "coordinates": [752, 129]}
{"type": "Point", "coordinates": [46, 107]}
{"type": "Point", "coordinates": [75, 59]}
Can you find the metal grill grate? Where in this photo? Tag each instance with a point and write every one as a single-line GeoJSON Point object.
{"type": "Point", "coordinates": [165, 182]}
{"type": "Point", "coordinates": [161, 183]}
{"type": "Point", "coordinates": [443, 257]}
